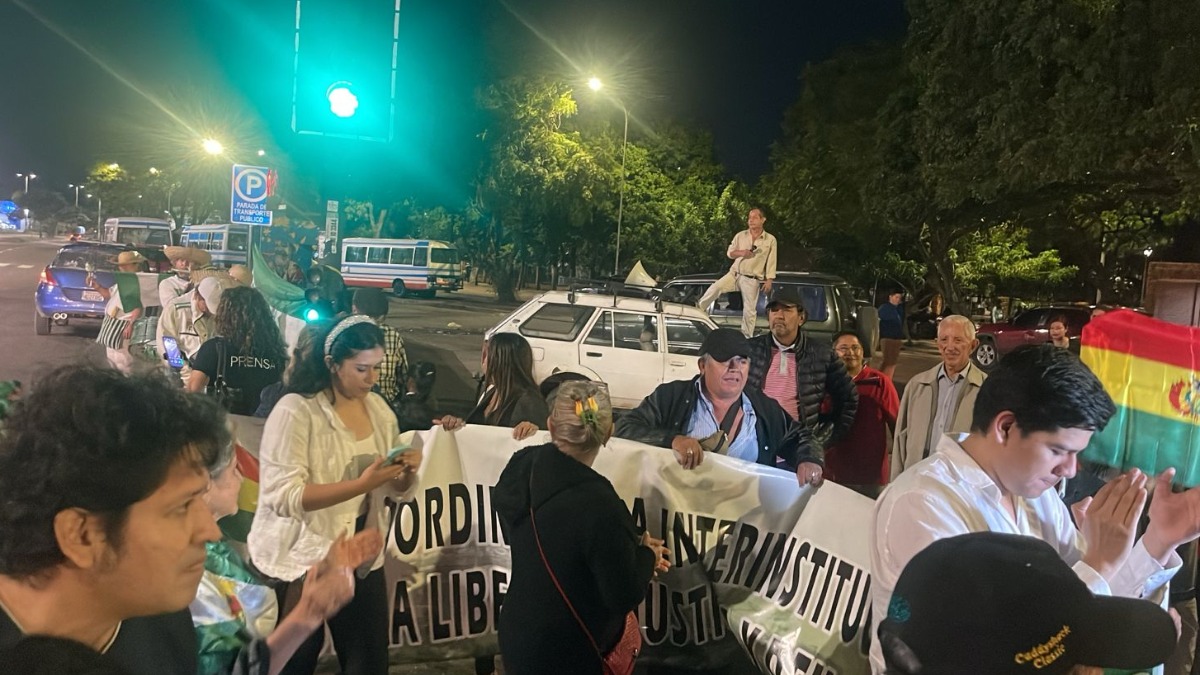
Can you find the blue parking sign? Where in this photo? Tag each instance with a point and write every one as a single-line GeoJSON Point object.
{"type": "Point", "coordinates": [248, 203]}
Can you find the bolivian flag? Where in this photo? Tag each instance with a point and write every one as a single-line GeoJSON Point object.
{"type": "Point", "coordinates": [1151, 369]}
{"type": "Point", "coordinates": [237, 526]}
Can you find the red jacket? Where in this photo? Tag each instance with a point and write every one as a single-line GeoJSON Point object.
{"type": "Point", "coordinates": [861, 456]}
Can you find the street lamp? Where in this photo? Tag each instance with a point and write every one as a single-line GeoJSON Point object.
{"type": "Point", "coordinates": [26, 220]}
{"type": "Point", "coordinates": [99, 209]}
{"type": "Point", "coordinates": [1146, 272]}
{"type": "Point", "coordinates": [212, 146]}
{"type": "Point", "coordinates": [28, 177]}
{"type": "Point", "coordinates": [76, 187]}
{"type": "Point", "coordinates": [595, 84]}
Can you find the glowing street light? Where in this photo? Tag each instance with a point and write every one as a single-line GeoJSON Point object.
{"type": "Point", "coordinates": [595, 84]}
{"type": "Point", "coordinates": [28, 177]}
{"type": "Point", "coordinates": [1146, 272]}
{"type": "Point", "coordinates": [99, 209]}
{"type": "Point", "coordinates": [76, 188]}
{"type": "Point", "coordinates": [212, 146]}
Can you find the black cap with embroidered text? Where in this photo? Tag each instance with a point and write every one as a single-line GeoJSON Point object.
{"type": "Point", "coordinates": [725, 343]}
{"type": "Point", "coordinates": [994, 604]}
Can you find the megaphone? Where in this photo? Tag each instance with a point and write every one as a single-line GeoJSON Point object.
{"type": "Point", "coordinates": [639, 278]}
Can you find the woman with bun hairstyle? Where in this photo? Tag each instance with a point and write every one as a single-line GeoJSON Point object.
{"type": "Point", "coordinates": [553, 504]}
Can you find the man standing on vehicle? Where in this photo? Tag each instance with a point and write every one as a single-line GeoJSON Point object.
{"type": "Point", "coordinates": [891, 331]}
{"type": "Point", "coordinates": [938, 401]}
{"type": "Point", "coordinates": [799, 372]}
{"type": "Point", "coordinates": [716, 412]}
{"type": "Point", "coordinates": [753, 252]}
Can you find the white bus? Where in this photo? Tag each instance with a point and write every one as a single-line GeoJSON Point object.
{"type": "Point", "coordinates": [138, 231]}
{"type": "Point", "coordinates": [227, 244]}
{"type": "Point", "coordinates": [407, 266]}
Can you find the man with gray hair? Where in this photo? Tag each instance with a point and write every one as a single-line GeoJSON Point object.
{"type": "Point", "coordinates": [939, 400]}
{"type": "Point", "coordinates": [715, 412]}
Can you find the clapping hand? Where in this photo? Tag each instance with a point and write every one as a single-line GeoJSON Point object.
{"type": "Point", "coordinates": [1109, 520]}
{"type": "Point", "coordinates": [1174, 517]}
{"type": "Point", "coordinates": [352, 552]}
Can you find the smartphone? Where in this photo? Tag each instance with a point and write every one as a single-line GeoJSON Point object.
{"type": "Point", "coordinates": [394, 455]}
{"type": "Point", "coordinates": [173, 356]}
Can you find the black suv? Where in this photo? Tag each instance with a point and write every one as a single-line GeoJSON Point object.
{"type": "Point", "coordinates": [828, 301]}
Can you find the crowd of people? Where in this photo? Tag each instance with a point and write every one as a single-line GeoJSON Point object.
{"type": "Point", "coordinates": [111, 558]}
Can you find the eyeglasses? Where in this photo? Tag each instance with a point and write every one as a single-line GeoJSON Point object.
{"type": "Point", "coordinates": [849, 349]}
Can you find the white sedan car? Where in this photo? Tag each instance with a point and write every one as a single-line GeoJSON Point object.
{"type": "Point", "coordinates": [631, 344]}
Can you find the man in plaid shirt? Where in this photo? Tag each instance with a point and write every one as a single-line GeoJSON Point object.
{"type": "Point", "coordinates": [373, 303]}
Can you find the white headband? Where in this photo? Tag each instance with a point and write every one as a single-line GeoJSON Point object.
{"type": "Point", "coordinates": [341, 326]}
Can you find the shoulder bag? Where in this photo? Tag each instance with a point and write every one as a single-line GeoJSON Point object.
{"type": "Point", "coordinates": [620, 659]}
{"type": "Point", "coordinates": [219, 388]}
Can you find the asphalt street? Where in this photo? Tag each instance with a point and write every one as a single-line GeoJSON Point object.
{"type": "Point", "coordinates": [447, 331]}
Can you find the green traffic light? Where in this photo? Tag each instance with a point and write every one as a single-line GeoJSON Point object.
{"type": "Point", "coordinates": [342, 101]}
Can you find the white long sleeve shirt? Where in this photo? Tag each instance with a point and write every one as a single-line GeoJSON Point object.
{"type": "Point", "coordinates": [948, 494]}
{"type": "Point", "coordinates": [304, 442]}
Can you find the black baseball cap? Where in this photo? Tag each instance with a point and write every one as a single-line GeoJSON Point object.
{"type": "Point", "coordinates": [725, 343]}
{"type": "Point", "coordinates": [786, 295]}
{"type": "Point", "coordinates": [995, 604]}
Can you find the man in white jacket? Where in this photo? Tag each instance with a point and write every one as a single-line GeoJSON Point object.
{"type": "Point", "coordinates": [1035, 413]}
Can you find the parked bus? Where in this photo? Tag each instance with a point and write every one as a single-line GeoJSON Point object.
{"type": "Point", "coordinates": [138, 231]}
{"type": "Point", "coordinates": [407, 266]}
{"type": "Point", "coordinates": [227, 244]}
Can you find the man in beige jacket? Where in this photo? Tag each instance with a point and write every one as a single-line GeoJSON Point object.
{"type": "Point", "coordinates": [939, 400]}
{"type": "Point", "coordinates": [754, 253]}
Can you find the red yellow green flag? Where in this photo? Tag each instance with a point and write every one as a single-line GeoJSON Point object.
{"type": "Point", "coordinates": [1150, 368]}
{"type": "Point", "coordinates": [237, 526]}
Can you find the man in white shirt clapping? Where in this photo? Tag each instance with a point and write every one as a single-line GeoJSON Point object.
{"type": "Point", "coordinates": [1033, 416]}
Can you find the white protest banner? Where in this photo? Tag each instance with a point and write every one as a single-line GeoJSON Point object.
{"type": "Point", "coordinates": [789, 565]}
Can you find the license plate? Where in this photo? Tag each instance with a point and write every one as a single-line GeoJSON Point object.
{"type": "Point", "coordinates": [92, 296]}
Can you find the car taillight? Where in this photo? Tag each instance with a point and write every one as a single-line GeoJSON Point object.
{"type": "Point", "coordinates": [48, 278]}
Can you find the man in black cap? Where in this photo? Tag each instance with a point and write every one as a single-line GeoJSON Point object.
{"type": "Point", "coordinates": [994, 604]}
{"type": "Point", "coordinates": [715, 412]}
{"type": "Point", "coordinates": [799, 372]}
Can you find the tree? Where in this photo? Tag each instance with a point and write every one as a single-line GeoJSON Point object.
{"type": "Point", "coordinates": [1022, 112]}
{"type": "Point", "coordinates": [538, 176]}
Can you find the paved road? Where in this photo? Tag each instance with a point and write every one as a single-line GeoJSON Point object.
{"type": "Point", "coordinates": [447, 330]}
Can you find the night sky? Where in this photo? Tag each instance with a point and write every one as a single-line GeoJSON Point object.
{"type": "Point", "coordinates": [727, 66]}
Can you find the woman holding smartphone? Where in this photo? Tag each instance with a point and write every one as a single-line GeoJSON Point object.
{"type": "Point", "coordinates": [324, 474]}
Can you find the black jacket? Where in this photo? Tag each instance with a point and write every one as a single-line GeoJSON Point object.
{"type": "Point", "coordinates": [819, 371]}
{"type": "Point", "coordinates": [594, 549]}
{"type": "Point", "coordinates": [530, 406]}
{"type": "Point", "coordinates": [665, 413]}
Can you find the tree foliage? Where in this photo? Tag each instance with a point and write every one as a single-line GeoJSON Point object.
{"type": "Point", "coordinates": [1002, 114]}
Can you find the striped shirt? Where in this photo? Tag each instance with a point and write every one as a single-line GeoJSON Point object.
{"type": "Point", "coordinates": [780, 382]}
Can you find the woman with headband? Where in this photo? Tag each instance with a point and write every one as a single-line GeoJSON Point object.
{"type": "Point", "coordinates": [324, 474]}
{"type": "Point", "coordinates": [579, 565]}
